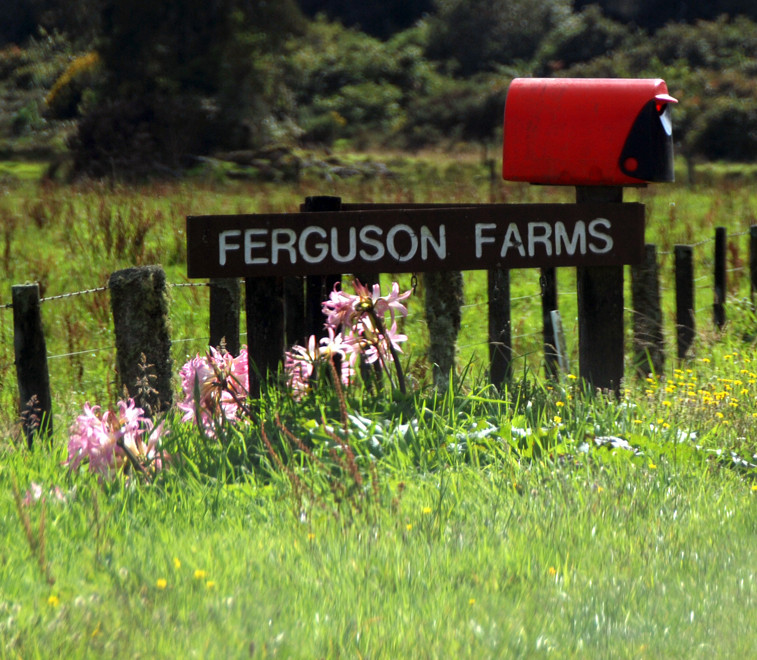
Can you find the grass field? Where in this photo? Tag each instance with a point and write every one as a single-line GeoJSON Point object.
{"type": "Point", "coordinates": [473, 523]}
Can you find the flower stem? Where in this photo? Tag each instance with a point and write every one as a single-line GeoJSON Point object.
{"type": "Point", "coordinates": [382, 331]}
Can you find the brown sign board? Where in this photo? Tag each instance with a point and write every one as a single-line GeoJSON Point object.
{"type": "Point", "coordinates": [415, 239]}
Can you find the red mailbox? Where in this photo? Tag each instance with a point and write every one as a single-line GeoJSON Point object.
{"type": "Point", "coordinates": [588, 131]}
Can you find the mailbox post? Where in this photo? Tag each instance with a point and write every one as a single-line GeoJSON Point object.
{"type": "Point", "coordinates": [598, 135]}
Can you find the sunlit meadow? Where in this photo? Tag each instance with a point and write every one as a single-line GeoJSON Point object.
{"type": "Point", "coordinates": [341, 520]}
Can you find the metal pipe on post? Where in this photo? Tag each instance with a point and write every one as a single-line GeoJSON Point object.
{"type": "Point", "coordinates": [600, 309]}
{"type": "Point", "coordinates": [548, 282]}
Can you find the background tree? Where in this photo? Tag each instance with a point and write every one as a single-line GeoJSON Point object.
{"type": "Point", "coordinates": [379, 19]}
{"type": "Point", "coordinates": [476, 35]}
{"type": "Point", "coordinates": [181, 78]}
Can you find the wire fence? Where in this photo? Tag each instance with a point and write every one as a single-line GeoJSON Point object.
{"type": "Point", "coordinates": [702, 282]}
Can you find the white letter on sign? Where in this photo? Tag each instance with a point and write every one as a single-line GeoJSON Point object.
{"type": "Point", "coordinates": [250, 245]}
{"type": "Point", "coordinates": [335, 246]}
{"type": "Point", "coordinates": [512, 239]}
{"type": "Point", "coordinates": [287, 244]}
{"type": "Point", "coordinates": [323, 248]}
{"type": "Point", "coordinates": [371, 242]}
{"type": "Point", "coordinates": [392, 233]}
{"type": "Point", "coordinates": [605, 238]}
{"type": "Point", "coordinates": [440, 246]}
{"type": "Point", "coordinates": [480, 238]}
{"type": "Point", "coordinates": [544, 237]}
{"type": "Point", "coordinates": [224, 246]}
{"type": "Point", "coordinates": [577, 241]}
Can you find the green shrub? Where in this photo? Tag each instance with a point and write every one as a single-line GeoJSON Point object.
{"type": "Point", "coordinates": [144, 137]}
{"type": "Point", "coordinates": [580, 38]}
{"type": "Point", "coordinates": [725, 129]}
{"type": "Point", "coordinates": [64, 98]}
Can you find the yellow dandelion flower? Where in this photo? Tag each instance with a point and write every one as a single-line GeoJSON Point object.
{"type": "Point", "coordinates": [719, 415]}
{"type": "Point", "coordinates": [472, 601]}
{"type": "Point", "coordinates": [652, 466]}
{"type": "Point", "coordinates": [572, 377]}
{"type": "Point", "coordinates": [409, 527]}
{"type": "Point", "coordinates": [667, 404]}
{"type": "Point", "coordinates": [311, 536]}
{"type": "Point", "coordinates": [426, 509]}
{"type": "Point", "coordinates": [557, 419]}
{"type": "Point", "coordinates": [176, 563]}
{"type": "Point", "coordinates": [754, 488]}
{"type": "Point", "coordinates": [560, 404]}
{"type": "Point", "coordinates": [210, 584]}
{"type": "Point", "coordinates": [200, 574]}
{"type": "Point", "coordinates": [53, 600]}
{"type": "Point", "coordinates": [161, 583]}
{"type": "Point", "coordinates": [552, 571]}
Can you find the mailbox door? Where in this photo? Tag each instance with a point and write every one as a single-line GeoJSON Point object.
{"type": "Point", "coordinates": [575, 131]}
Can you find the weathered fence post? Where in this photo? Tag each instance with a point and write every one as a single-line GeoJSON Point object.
{"type": "Point", "coordinates": [600, 309]}
{"type": "Point", "coordinates": [444, 299]}
{"type": "Point", "coordinates": [264, 306]}
{"type": "Point", "coordinates": [35, 403]}
{"type": "Point", "coordinates": [224, 313]}
{"type": "Point", "coordinates": [500, 328]}
{"type": "Point", "coordinates": [548, 282]}
{"type": "Point", "coordinates": [684, 275]}
{"type": "Point", "coordinates": [139, 302]}
{"type": "Point", "coordinates": [718, 306]}
{"type": "Point", "coordinates": [648, 342]}
{"type": "Point", "coordinates": [318, 287]}
{"type": "Point", "coordinates": [752, 261]}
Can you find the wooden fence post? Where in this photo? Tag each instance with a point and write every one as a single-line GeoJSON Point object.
{"type": "Point", "coordinates": [224, 313]}
{"type": "Point", "coordinates": [752, 261]}
{"type": "Point", "coordinates": [600, 309]}
{"type": "Point", "coordinates": [648, 342]}
{"type": "Point", "coordinates": [264, 305]}
{"type": "Point", "coordinates": [35, 403]}
{"type": "Point", "coordinates": [318, 287]}
{"type": "Point", "coordinates": [500, 328]}
{"type": "Point", "coordinates": [548, 281]}
{"type": "Point", "coordinates": [139, 302]}
{"type": "Point", "coordinates": [684, 275]}
{"type": "Point", "coordinates": [444, 299]}
{"type": "Point", "coordinates": [718, 306]}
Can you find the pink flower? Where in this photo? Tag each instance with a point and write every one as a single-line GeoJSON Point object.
{"type": "Point", "coordinates": [220, 382]}
{"type": "Point", "coordinates": [340, 308]}
{"type": "Point", "coordinates": [390, 303]}
{"type": "Point", "coordinates": [299, 364]}
{"type": "Point", "coordinates": [379, 347]}
{"type": "Point", "coordinates": [36, 492]}
{"type": "Point", "coordinates": [95, 438]}
{"type": "Point", "coordinates": [301, 361]}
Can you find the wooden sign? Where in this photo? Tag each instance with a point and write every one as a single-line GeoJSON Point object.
{"type": "Point", "coordinates": [424, 238]}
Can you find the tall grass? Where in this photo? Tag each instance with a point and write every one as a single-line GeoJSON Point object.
{"type": "Point", "coordinates": [468, 523]}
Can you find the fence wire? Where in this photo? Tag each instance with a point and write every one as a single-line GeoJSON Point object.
{"type": "Point", "coordinates": [701, 284]}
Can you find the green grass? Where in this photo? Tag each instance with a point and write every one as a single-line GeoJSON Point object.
{"type": "Point", "coordinates": [600, 559]}
{"type": "Point", "coordinates": [476, 524]}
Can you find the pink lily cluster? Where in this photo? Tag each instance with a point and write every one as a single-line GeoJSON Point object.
{"type": "Point", "coordinates": [115, 440]}
{"type": "Point", "coordinates": [214, 386]}
{"type": "Point", "coordinates": [357, 327]}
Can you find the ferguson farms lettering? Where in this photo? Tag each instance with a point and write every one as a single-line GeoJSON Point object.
{"type": "Point", "coordinates": [422, 239]}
